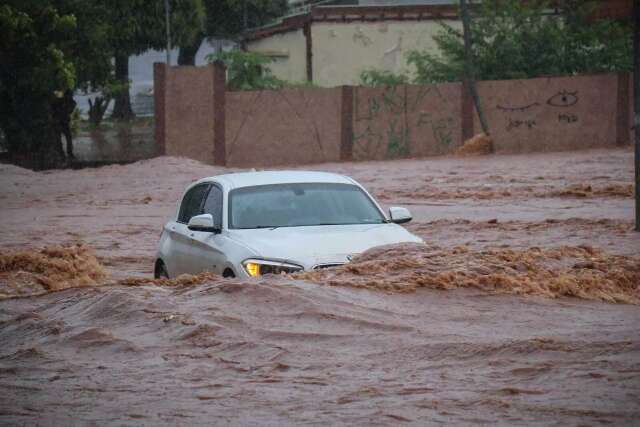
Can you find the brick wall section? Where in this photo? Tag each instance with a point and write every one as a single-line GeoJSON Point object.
{"type": "Point", "coordinates": [189, 113]}
{"type": "Point", "coordinates": [550, 114]}
{"type": "Point", "coordinates": [197, 118]}
{"type": "Point", "coordinates": [284, 127]}
{"type": "Point", "coordinates": [406, 121]}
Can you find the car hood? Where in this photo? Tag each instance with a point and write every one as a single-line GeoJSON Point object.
{"type": "Point", "coordinates": [313, 245]}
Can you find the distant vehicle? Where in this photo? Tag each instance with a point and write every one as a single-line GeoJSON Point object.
{"type": "Point", "coordinates": [255, 223]}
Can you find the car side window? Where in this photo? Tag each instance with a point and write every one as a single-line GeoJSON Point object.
{"type": "Point", "coordinates": [213, 205]}
{"type": "Point", "coordinates": [192, 203]}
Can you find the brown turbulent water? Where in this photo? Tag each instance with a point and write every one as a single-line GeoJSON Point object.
{"type": "Point", "coordinates": [522, 309]}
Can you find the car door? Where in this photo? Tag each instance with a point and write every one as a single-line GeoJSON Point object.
{"type": "Point", "coordinates": [181, 236]}
{"type": "Point", "coordinates": [206, 252]}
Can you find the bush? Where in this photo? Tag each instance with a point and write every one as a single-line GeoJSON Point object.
{"type": "Point", "coordinates": [247, 70]}
{"type": "Point", "coordinates": [372, 77]}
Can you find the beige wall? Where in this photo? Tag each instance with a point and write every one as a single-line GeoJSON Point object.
{"type": "Point", "coordinates": [288, 51]}
{"type": "Point", "coordinates": [342, 50]}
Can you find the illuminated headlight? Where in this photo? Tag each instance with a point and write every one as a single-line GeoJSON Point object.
{"type": "Point", "coordinates": [259, 267]}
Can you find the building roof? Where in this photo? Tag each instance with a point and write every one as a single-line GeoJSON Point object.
{"type": "Point", "coordinates": [365, 13]}
{"type": "Point", "coordinates": [403, 10]}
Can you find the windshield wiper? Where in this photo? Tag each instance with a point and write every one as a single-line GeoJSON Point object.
{"type": "Point", "coordinates": [348, 223]}
{"type": "Point", "coordinates": [273, 227]}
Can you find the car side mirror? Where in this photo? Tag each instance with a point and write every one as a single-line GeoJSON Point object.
{"type": "Point", "coordinates": [203, 222]}
{"type": "Point", "coordinates": [399, 215]}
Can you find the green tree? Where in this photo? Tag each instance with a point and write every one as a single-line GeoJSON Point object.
{"type": "Point", "coordinates": [229, 19]}
{"type": "Point", "coordinates": [35, 42]}
{"type": "Point", "coordinates": [91, 52]}
{"type": "Point", "coordinates": [247, 70]}
{"type": "Point", "coordinates": [135, 26]}
{"type": "Point", "coordinates": [50, 46]}
{"type": "Point", "coordinates": [514, 39]}
{"type": "Point", "coordinates": [373, 77]}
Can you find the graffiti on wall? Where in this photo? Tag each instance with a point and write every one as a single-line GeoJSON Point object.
{"type": "Point", "coordinates": [392, 122]}
{"type": "Point", "coordinates": [373, 138]}
{"type": "Point", "coordinates": [526, 116]}
{"type": "Point", "coordinates": [517, 109]}
{"type": "Point", "coordinates": [525, 124]}
{"type": "Point", "coordinates": [563, 99]}
{"type": "Point", "coordinates": [441, 128]}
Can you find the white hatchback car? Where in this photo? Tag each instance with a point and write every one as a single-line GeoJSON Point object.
{"type": "Point", "coordinates": [254, 223]}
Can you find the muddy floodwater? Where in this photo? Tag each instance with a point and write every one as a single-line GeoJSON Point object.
{"type": "Point", "coordinates": [523, 307]}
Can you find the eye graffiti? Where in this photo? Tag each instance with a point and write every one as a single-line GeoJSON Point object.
{"type": "Point", "coordinates": [563, 99]}
{"type": "Point", "coordinates": [519, 109]}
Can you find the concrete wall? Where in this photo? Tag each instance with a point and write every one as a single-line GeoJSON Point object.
{"type": "Point", "coordinates": [288, 51]}
{"type": "Point", "coordinates": [550, 114]}
{"type": "Point", "coordinates": [184, 99]}
{"type": "Point", "coordinates": [341, 51]}
{"type": "Point", "coordinates": [196, 117]}
{"type": "Point", "coordinates": [406, 121]}
{"type": "Point", "coordinates": [292, 126]}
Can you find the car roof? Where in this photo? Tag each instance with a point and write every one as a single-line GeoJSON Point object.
{"type": "Point", "coordinates": [249, 179]}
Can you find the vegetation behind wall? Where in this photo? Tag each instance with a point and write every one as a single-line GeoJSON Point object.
{"type": "Point", "coordinates": [517, 40]}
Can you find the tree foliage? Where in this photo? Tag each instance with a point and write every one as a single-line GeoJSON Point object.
{"type": "Point", "coordinates": [247, 70]}
{"type": "Point", "coordinates": [373, 77]}
{"type": "Point", "coordinates": [49, 46]}
{"type": "Point", "coordinates": [514, 39]}
{"type": "Point", "coordinates": [136, 26]}
{"type": "Point", "coordinates": [229, 18]}
{"type": "Point", "coordinates": [88, 45]}
{"type": "Point", "coordinates": [34, 45]}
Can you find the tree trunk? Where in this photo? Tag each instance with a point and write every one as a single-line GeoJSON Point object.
{"type": "Point", "coordinates": [469, 66]}
{"type": "Point", "coordinates": [29, 127]}
{"type": "Point", "coordinates": [187, 54]}
{"type": "Point", "coordinates": [636, 103]}
{"type": "Point", "coordinates": [38, 147]}
{"type": "Point", "coordinates": [97, 108]}
{"type": "Point", "coordinates": [122, 107]}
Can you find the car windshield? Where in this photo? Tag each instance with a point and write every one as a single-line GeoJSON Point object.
{"type": "Point", "coordinates": [295, 205]}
